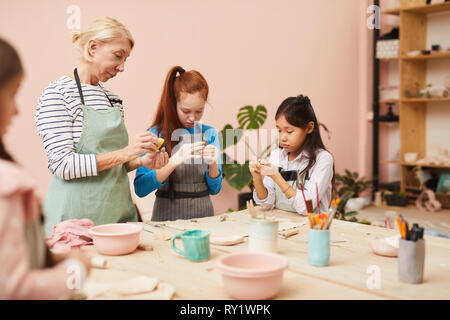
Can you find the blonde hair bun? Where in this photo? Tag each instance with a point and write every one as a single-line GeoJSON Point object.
{"type": "Point", "coordinates": [105, 30]}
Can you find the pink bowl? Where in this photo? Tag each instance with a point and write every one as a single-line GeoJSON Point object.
{"type": "Point", "coordinates": [117, 238]}
{"type": "Point", "coordinates": [252, 275]}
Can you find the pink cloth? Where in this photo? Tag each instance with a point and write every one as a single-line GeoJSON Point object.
{"type": "Point", "coordinates": [19, 204]}
{"type": "Point", "coordinates": [70, 233]}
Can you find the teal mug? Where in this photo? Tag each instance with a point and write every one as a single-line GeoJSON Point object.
{"type": "Point", "coordinates": [195, 244]}
{"type": "Point", "coordinates": [318, 247]}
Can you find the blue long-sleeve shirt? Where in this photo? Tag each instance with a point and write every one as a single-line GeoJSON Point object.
{"type": "Point", "coordinates": [145, 181]}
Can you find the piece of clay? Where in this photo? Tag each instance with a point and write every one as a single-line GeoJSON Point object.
{"type": "Point", "coordinates": [289, 232]}
{"type": "Point", "coordinates": [223, 218]}
{"type": "Point", "coordinates": [145, 247]}
{"type": "Point", "coordinates": [225, 240]}
{"type": "Point", "coordinates": [387, 247]}
{"type": "Point", "coordinates": [98, 262]}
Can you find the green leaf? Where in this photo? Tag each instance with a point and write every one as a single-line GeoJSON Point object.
{"type": "Point", "coordinates": [250, 118]}
{"type": "Point", "coordinates": [351, 213]}
{"type": "Point", "coordinates": [229, 136]}
{"type": "Point", "coordinates": [238, 176]}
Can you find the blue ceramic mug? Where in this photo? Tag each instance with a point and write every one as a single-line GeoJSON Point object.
{"type": "Point", "coordinates": [318, 247]}
{"type": "Point", "coordinates": [195, 244]}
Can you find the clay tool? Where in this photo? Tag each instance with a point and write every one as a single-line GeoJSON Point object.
{"type": "Point", "coordinates": [251, 209]}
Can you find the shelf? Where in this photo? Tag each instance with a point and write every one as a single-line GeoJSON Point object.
{"type": "Point", "coordinates": [439, 55]}
{"type": "Point", "coordinates": [389, 59]}
{"type": "Point", "coordinates": [389, 101]}
{"type": "Point", "coordinates": [395, 12]}
{"type": "Point", "coordinates": [406, 164]}
{"type": "Point", "coordinates": [425, 99]}
{"type": "Point", "coordinates": [430, 8]}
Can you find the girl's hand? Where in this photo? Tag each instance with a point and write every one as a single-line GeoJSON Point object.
{"type": "Point", "coordinates": [211, 154]}
{"type": "Point", "coordinates": [254, 167]}
{"type": "Point", "coordinates": [187, 152]}
{"type": "Point", "coordinates": [268, 169]}
{"type": "Point", "coordinates": [155, 161]}
{"type": "Point", "coordinates": [141, 144]}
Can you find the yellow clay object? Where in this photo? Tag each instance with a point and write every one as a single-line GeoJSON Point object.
{"type": "Point", "coordinates": [160, 143]}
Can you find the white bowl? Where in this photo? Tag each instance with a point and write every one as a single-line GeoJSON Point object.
{"type": "Point", "coordinates": [411, 157]}
{"type": "Point", "coordinates": [355, 204]}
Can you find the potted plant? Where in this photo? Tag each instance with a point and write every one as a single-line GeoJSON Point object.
{"type": "Point", "coordinates": [398, 199]}
{"type": "Point", "coordinates": [341, 209]}
{"type": "Point", "coordinates": [351, 181]}
{"type": "Point", "coordinates": [238, 175]}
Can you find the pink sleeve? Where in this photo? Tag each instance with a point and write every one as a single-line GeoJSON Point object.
{"type": "Point", "coordinates": [17, 279]}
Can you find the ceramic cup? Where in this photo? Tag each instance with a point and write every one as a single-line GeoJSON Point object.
{"type": "Point", "coordinates": [318, 247]}
{"type": "Point", "coordinates": [263, 235]}
{"type": "Point", "coordinates": [195, 244]}
{"type": "Point", "coordinates": [411, 260]}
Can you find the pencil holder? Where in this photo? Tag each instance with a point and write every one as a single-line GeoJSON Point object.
{"type": "Point", "coordinates": [318, 247]}
{"type": "Point", "coordinates": [411, 260]}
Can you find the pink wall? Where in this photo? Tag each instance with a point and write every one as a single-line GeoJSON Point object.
{"type": "Point", "coordinates": [251, 52]}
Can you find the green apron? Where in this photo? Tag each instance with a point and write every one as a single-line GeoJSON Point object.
{"type": "Point", "coordinates": [105, 198]}
{"type": "Point", "coordinates": [282, 202]}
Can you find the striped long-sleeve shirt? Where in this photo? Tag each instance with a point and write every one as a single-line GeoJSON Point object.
{"type": "Point", "coordinates": [59, 120]}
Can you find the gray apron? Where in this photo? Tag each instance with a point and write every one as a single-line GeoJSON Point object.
{"type": "Point", "coordinates": [38, 252]}
{"type": "Point", "coordinates": [281, 201]}
{"type": "Point", "coordinates": [186, 194]}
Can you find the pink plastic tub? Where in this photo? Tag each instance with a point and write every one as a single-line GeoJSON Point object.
{"type": "Point", "coordinates": [252, 275]}
{"type": "Point", "coordinates": [116, 239]}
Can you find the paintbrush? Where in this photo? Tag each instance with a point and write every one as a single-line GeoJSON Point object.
{"type": "Point", "coordinates": [330, 218]}
{"type": "Point", "coordinates": [304, 199]}
{"type": "Point", "coordinates": [318, 201]}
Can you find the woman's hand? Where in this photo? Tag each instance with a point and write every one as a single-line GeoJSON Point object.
{"type": "Point", "coordinates": [187, 152]}
{"type": "Point", "coordinates": [211, 154]}
{"type": "Point", "coordinates": [141, 144]}
{"type": "Point", "coordinates": [155, 160]}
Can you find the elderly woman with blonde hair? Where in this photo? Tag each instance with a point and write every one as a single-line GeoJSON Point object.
{"type": "Point", "coordinates": [82, 128]}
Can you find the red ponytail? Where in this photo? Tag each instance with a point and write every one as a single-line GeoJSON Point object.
{"type": "Point", "coordinates": [166, 118]}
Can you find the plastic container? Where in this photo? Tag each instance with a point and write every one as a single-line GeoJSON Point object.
{"type": "Point", "coordinates": [252, 275]}
{"type": "Point", "coordinates": [411, 261]}
{"type": "Point", "coordinates": [318, 247]}
{"type": "Point", "coordinates": [117, 238]}
{"type": "Point", "coordinates": [263, 235]}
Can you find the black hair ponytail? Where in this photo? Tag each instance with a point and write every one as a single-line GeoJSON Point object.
{"type": "Point", "coordinates": [298, 111]}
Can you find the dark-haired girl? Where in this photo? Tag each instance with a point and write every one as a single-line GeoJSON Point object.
{"type": "Point", "coordinates": [193, 172]}
{"type": "Point", "coordinates": [300, 160]}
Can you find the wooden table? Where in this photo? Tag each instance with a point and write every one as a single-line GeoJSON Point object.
{"type": "Point", "coordinates": [346, 277]}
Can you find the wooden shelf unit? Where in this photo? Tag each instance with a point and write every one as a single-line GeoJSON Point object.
{"type": "Point", "coordinates": [407, 164]}
{"type": "Point", "coordinates": [420, 7]}
{"type": "Point", "coordinates": [412, 111]}
{"type": "Point", "coordinates": [431, 56]}
{"type": "Point", "coordinates": [395, 12]}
